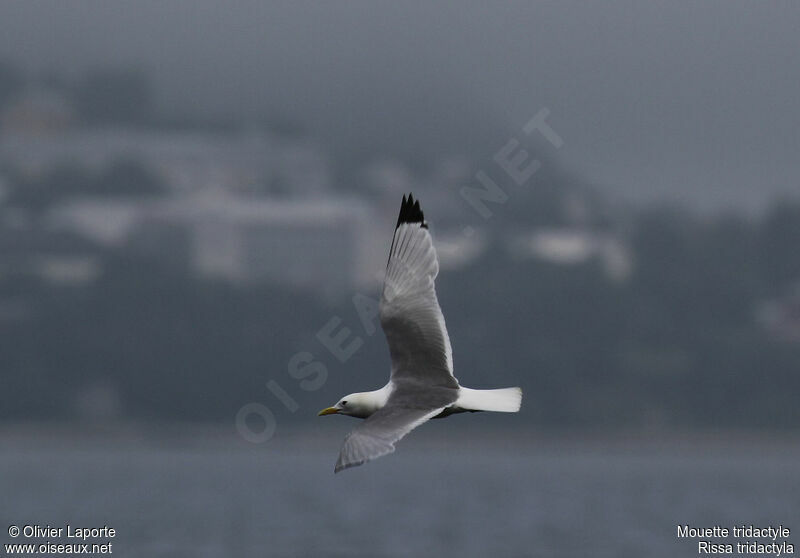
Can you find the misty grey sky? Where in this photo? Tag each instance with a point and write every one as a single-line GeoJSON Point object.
{"type": "Point", "coordinates": [692, 101]}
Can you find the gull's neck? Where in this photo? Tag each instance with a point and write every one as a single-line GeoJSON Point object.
{"type": "Point", "coordinates": [381, 396]}
{"type": "Point", "coordinates": [371, 401]}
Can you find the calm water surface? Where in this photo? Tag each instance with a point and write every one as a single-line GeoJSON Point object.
{"type": "Point", "coordinates": [468, 496]}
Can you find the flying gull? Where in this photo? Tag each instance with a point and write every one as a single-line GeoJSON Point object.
{"type": "Point", "coordinates": [421, 384]}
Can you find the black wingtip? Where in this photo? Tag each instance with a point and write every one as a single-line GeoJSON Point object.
{"type": "Point", "coordinates": [339, 467]}
{"type": "Point", "coordinates": [410, 212]}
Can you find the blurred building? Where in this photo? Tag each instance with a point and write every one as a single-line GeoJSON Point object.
{"type": "Point", "coordinates": [52, 257]}
{"type": "Point", "coordinates": [40, 130]}
{"type": "Point", "coordinates": [572, 246]}
{"type": "Point", "coordinates": [323, 244]}
{"type": "Point", "coordinates": [32, 257]}
{"type": "Point", "coordinates": [781, 317]}
{"type": "Point", "coordinates": [319, 243]}
{"type": "Point", "coordinates": [456, 250]}
{"type": "Point", "coordinates": [183, 161]}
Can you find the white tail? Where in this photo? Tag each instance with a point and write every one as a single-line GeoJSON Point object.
{"type": "Point", "coordinates": [505, 400]}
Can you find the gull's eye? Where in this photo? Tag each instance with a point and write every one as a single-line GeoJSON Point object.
{"type": "Point", "coordinates": [344, 403]}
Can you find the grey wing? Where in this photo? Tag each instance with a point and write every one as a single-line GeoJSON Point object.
{"type": "Point", "coordinates": [409, 310]}
{"type": "Point", "coordinates": [377, 435]}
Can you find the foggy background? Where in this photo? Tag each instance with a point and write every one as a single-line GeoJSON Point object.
{"type": "Point", "coordinates": [190, 192]}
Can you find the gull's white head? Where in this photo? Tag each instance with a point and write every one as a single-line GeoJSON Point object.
{"type": "Point", "coordinates": [359, 405]}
